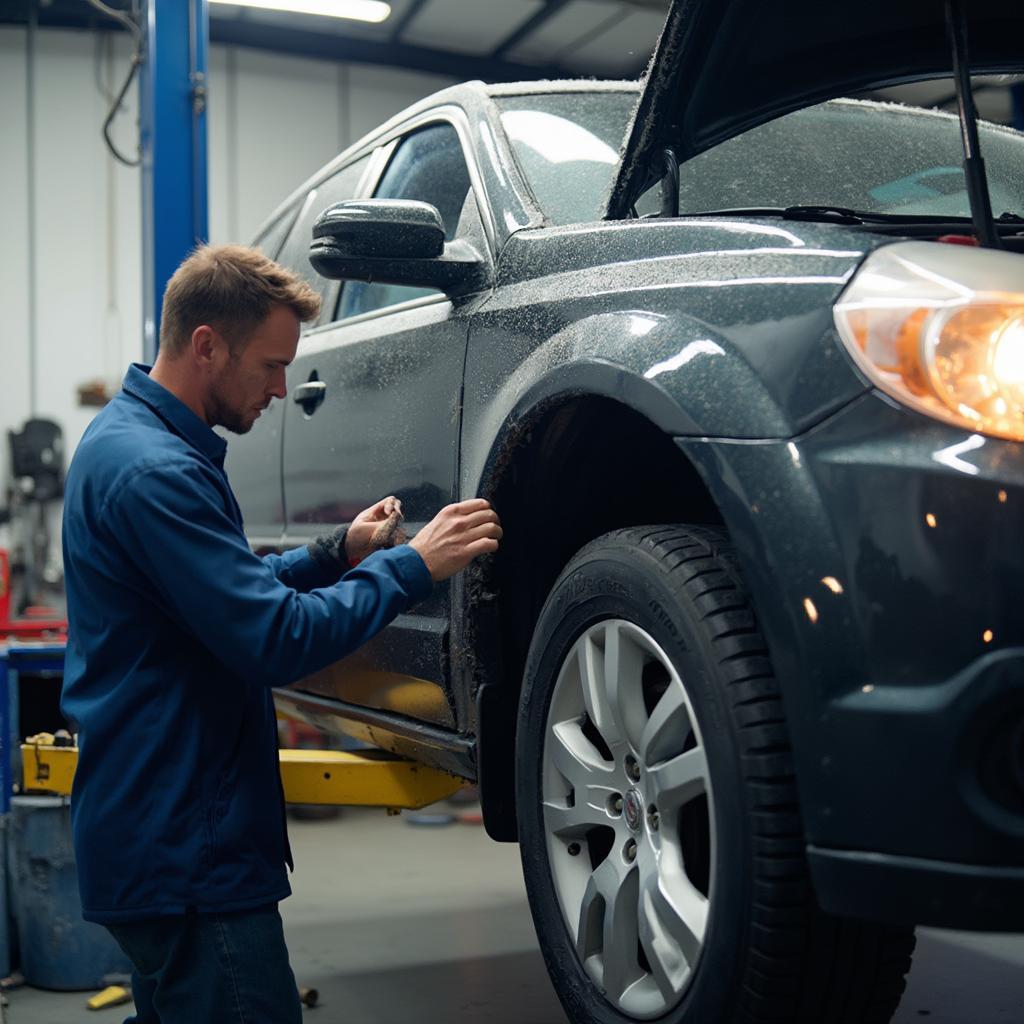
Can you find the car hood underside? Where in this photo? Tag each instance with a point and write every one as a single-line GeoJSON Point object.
{"type": "Point", "coordinates": [724, 66]}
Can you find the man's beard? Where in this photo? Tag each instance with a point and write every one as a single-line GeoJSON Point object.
{"type": "Point", "coordinates": [231, 421]}
{"type": "Point", "coordinates": [225, 415]}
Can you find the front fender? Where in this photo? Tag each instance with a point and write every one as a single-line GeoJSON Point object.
{"type": "Point", "coordinates": [672, 371]}
{"type": "Point", "coordinates": [733, 341]}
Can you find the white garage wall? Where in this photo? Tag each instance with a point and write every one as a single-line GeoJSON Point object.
{"type": "Point", "coordinates": [273, 120]}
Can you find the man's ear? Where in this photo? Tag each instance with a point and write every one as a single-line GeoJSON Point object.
{"type": "Point", "coordinates": [204, 345]}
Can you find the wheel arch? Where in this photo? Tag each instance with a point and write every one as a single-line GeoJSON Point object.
{"type": "Point", "coordinates": [554, 495]}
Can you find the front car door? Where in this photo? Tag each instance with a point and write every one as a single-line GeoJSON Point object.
{"type": "Point", "coordinates": [390, 361]}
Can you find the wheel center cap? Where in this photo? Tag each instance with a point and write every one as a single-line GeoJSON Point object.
{"type": "Point", "coordinates": [633, 810]}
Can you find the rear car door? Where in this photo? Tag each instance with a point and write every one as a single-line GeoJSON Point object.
{"type": "Point", "coordinates": [386, 420]}
{"type": "Point", "coordinates": [254, 461]}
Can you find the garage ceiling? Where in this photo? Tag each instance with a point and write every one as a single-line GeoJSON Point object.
{"type": "Point", "coordinates": [496, 40]}
{"type": "Point", "coordinates": [493, 40]}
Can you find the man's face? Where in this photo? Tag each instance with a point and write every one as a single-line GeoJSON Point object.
{"type": "Point", "coordinates": [248, 379]}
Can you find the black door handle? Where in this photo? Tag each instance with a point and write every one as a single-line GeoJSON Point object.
{"type": "Point", "coordinates": [310, 394]}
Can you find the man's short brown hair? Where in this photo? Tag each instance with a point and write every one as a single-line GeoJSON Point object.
{"type": "Point", "coordinates": [231, 288]}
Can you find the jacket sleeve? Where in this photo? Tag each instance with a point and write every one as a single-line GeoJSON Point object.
{"type": "Point", "coordinates": [317, 564]}
{"type": "Point", "coordinates": [171, 521]}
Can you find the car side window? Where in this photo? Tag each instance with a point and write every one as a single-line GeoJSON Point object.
{"type": "Point", "coordinates": [428, 165]}
{"type": "Point", "coordinates": [269, 240]}
{"type": "Point", "coordinates": [295, 251]}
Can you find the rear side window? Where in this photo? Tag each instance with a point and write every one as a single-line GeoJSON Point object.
{"type": "Point", "coordinates": [295, 252]}
{"type": "Point", "coordinates": [428, 165]}
{"type": "Point", "coordinates": [270, 239]}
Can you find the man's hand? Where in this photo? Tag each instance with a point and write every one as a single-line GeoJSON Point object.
{"type": "Point", "coordinates": [456, 535]}
{"type": "Point", "coordinates": [378, 527]}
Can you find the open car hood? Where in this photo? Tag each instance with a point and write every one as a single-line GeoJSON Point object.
{"type": "Point", "coordinates": [723, 66]}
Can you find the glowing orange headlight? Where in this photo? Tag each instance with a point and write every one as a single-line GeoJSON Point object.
{"type": "Point", "coordinates": [942, 330]}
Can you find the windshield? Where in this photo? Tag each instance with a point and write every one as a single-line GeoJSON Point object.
{"type": "Point", "coordinates": [877, 157]}
{"type": "Point", "coordinates": [869, 156]}
{"type": "Point", "coordinates": [567, 145]}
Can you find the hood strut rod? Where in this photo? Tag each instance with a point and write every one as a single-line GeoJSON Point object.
{"type": "Point", "coordinates": [974, 165]}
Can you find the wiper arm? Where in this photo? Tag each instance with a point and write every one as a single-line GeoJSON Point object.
{"type": "Point", "coordinates": [833, 214]}
{"type": "Point", "coordinates": [837, 215]}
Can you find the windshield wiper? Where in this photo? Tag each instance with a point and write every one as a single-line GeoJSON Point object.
{"type": "Point", "coordinates": [843, 215]}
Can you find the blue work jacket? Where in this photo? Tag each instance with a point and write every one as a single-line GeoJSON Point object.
{"type": "Point", "coordinates": [177, 632]}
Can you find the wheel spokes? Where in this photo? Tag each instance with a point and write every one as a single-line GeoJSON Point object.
{"type": "Point", "coordinates": [619, 952]}
{"type": "Point", "coordinates": [679, 779]}
{"type": "Point", "coordinates": [667, 728]}
{"type": "Point", "coordinates": [573, 821]}
{"type": "Point", "coordinates": [575, 757]}
{"type": "Point", "coordinates": [588, 776]}
{"type": "Point", "coordinates": [673, 920]}
{"type": "Point", "coordinates": [595, 693]}
{"type": "Point", "coordinates": [623, 671]}
{"type": "Point", "coordinates": [610, 907]}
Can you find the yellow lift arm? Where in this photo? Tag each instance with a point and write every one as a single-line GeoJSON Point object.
{"type": "Point", "coordinates": [367, 779]}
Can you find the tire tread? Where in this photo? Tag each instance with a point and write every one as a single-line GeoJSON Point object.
{"type": "Point", "coordinates": [803, 966]}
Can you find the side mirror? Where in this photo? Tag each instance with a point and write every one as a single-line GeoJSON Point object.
{"type": "Point", "coordinates": [394, 241]}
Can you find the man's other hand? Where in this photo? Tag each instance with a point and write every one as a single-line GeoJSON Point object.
{"type": "Point", "coordinates": [378, 527]}
{"type": "Point", "coordinates": [456, 535]}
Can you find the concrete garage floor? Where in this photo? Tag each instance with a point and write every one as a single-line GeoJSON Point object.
{"type": "Point", "coordinates": [394, 923]}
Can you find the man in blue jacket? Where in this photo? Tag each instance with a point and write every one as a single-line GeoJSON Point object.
{"type": "Point", "coordinates": [177, 632]}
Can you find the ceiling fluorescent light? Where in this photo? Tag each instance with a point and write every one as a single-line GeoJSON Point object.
{"type": "Point", "coordinates": [356, 10]}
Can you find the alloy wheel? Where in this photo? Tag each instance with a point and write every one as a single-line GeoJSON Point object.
{"type": "Point", "coordinates": [629, 817]}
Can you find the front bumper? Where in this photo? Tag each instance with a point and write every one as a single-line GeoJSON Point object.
{"type": "Point", "coordinates": [884, 555]}
{"type": "Point", "coordinates": [915, 891]}
{"type": "Point", "coordinates": [934, 769]}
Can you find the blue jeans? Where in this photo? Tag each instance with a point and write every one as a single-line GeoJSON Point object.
{"type": "Point", "coordinates": [210, 969]}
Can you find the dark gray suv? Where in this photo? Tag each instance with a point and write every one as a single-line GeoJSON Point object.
{"type": "Point", "coordinates": [746, 678]}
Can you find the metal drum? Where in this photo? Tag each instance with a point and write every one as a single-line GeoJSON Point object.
{"type": "Point", "coordinates": [58, 949]}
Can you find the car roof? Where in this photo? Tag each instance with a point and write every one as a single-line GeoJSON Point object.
{"type": "Point", "coordinates": [472, 94]}
{"type": "Point", "coordinates": [468, 95]}
{"type": "Point", "coordinates": [550, 85]}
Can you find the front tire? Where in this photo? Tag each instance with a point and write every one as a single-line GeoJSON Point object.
{"type": "Point", "coordinates": [661, 838]}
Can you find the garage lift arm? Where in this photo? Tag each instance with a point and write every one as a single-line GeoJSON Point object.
{"type": "Point", "coordinates": [370, 778]}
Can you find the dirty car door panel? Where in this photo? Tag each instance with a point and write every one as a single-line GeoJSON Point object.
{"type": "Point", "coordinates": [389, 423]}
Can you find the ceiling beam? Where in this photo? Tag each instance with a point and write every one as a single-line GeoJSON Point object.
{"type": "Point", "coordinates": [528, 27]}
{"type": "Point", "coordinates": [405, 20]}
{"type": "Point", "coordinates": [322, 46]}
{"type": "Point", "coordinates": [301, 42]}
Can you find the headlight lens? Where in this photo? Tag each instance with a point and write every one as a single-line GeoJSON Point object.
{"type": "Point", "coordinates": [941, 328]}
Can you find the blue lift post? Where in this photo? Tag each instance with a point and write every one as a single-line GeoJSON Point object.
{"type": "Point", "coordinates": [172, 131]}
